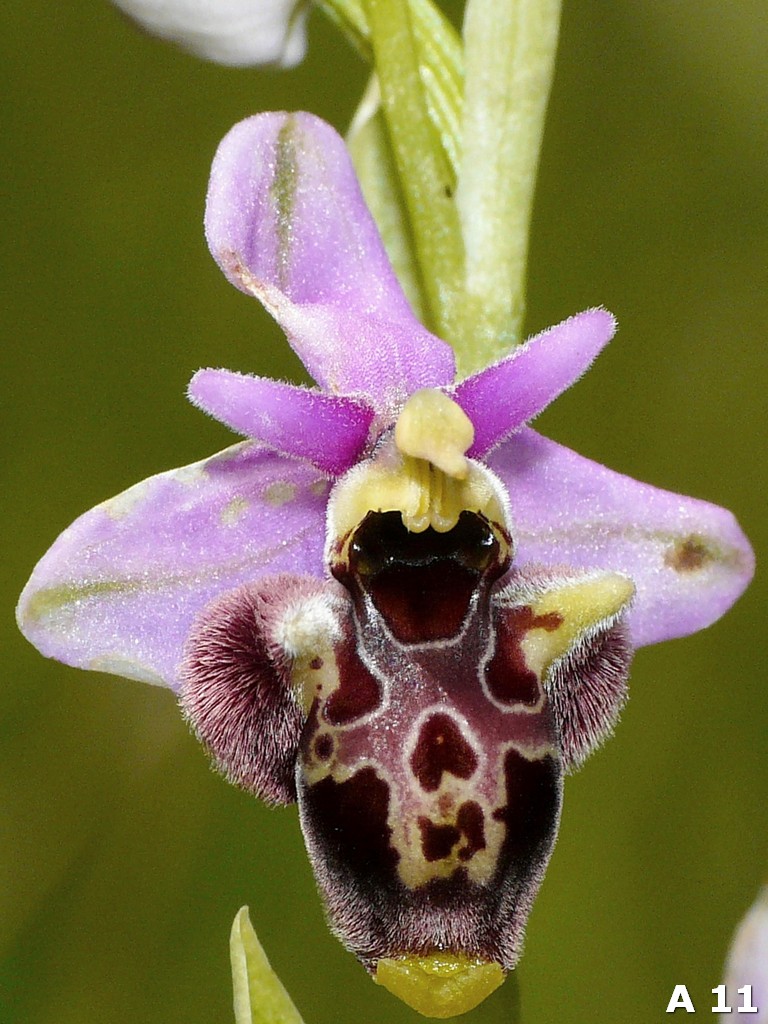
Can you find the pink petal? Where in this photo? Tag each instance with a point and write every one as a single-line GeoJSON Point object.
{"type": "Point", "coordinates": [119, 590]}
{"type": "Point", "coordinates": [327, 430]}
{"type": "Point", "coordinates": [504, 396]}
{"type": "Point", "coordinates": [689, 560]}
{"type": "Point", "coordinates": [286, 222]}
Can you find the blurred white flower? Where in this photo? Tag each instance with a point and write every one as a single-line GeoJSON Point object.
{"type": "Point", "coordinates": [235, 32]}
{"type": "Point", "coordinates": [748, 961]}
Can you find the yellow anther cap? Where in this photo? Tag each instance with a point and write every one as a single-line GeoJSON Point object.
{"type": "Point", "coordinates": [433, 427]}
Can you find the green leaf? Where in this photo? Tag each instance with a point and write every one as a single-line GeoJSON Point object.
{"type": "Point", "coordinates": [259, 996]}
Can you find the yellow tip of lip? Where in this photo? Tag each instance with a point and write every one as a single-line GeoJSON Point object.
{"type": "Point", "coordinates": [441, 985]}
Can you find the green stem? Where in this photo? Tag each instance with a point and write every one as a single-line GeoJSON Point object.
{"type": "Point", "coordinates": [440, 60]}
{"type": "Point", "coordinates": [509, 59]}
{"type": "Point", "coordinates": [424, 169]}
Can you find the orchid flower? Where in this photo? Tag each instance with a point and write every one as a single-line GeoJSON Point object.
{"type": "Point", "coordinates": [394, 602]}
{"type": "Point", "coordinates": [235, 32]}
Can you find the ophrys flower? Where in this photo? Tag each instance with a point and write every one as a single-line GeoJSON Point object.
{"type": "Point", "coordinates": [395, 602]}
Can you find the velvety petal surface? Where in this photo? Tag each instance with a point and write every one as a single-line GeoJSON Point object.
{"type": "Point", "coordinates": [689, 559]}
{"type": "Point", "coordinates": [287, 223]}
{"type": "Point", "coordinates": [504, 396]}
{"type": "Point", "coordinates": [236, 32]}
{"type": "Point", "coordinates": [329, 431]}
{"type": "Point", "coordinates": [120, 589]}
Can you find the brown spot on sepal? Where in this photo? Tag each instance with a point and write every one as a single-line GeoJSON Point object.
{"type": "Point", "coordinates": [689, 555]}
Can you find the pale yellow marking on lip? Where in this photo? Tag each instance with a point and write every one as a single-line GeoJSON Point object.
{"type": "Point", "coordinates": [441, 807]}
{"type": "Point", "coordinates": [580, 605]}
{"type": "Point", "coordinates": [440, 985]}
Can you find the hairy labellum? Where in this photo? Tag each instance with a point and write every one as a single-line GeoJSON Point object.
{"type": "Point", "coordinates": [395, 601]}
{"type": "Point", "coordinates": [423, 707]}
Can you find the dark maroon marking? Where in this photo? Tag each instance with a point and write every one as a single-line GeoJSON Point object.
{"type": "Point", "coordinates": [507, 676]}
{"type": "Point", "coordinates": [437, 841]}
{"type": "Point", "coordinates": [421, 583]}
{"type": "Point", "coordinates": [426, 603]}
{"type": "Point", "coordinates": [323, 746]}
{"type": "Point", "coordinates": [471, 824]}
{"type": "Point", "coordinates": [376, 915]}
{"type": "Point", "coordinates": [441, 748]}
{"type": "Point", "coordinates": [311, 726]}
{"type": "Point", "coordinates": [350, 818]}
{"type": "Point", "coordinates": [316, 663]}
{"type": "Point", "coordinates": [688, 555]}
{"type": "Point", "coordinates": [533, 800]}
{"type": "Point", "coordinates": [358, 692]}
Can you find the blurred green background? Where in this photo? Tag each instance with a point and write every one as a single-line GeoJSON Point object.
{"type": "Point", "coordinates": [123, 858]}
